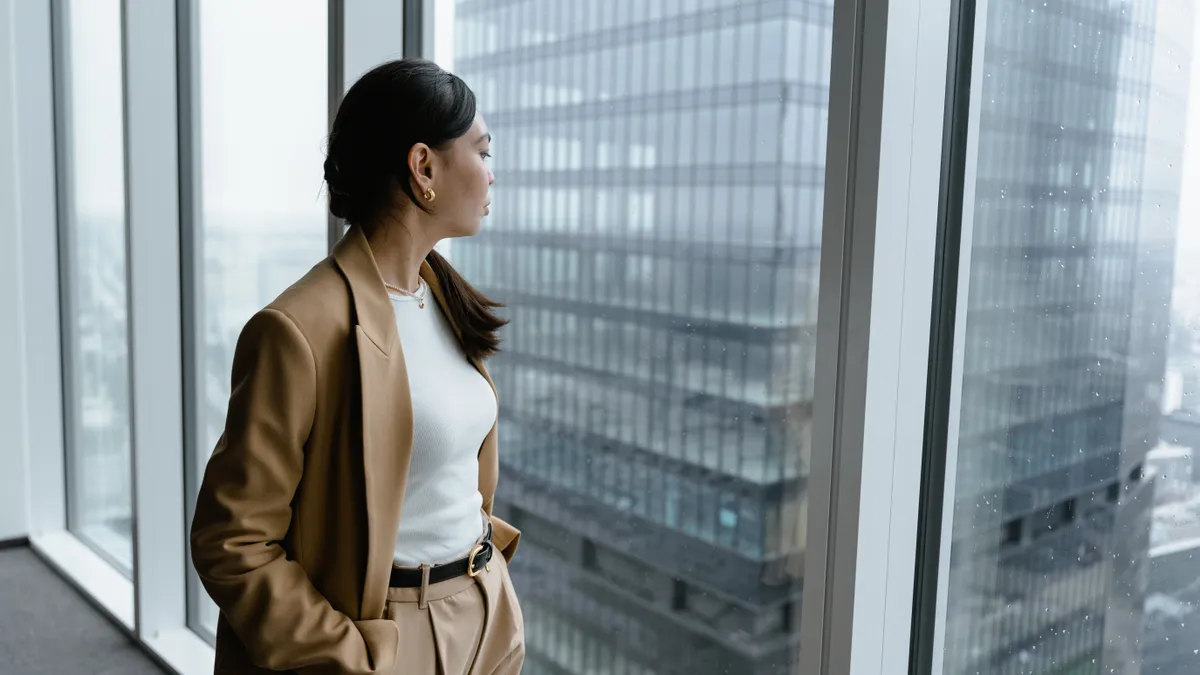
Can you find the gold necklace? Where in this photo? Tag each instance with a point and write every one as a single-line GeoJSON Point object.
{"type": "Point", "coordinates": [418, 295]}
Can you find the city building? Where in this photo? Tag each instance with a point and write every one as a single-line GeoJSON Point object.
{"type": "Point", "coordinates": [661, 287]}
{"type": "Point", "coordinates": [1077, 198]}
{"type": "Point", "coordinates": [656, 239]}
{"type": "Point", "coordinates": [1173, 592]}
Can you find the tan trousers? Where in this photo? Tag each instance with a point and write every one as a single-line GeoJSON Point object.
{"type": "Point", "coordinates": [463, 626]}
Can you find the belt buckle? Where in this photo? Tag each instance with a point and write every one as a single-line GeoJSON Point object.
{"type": "Point", "coordinates": [471, 571]}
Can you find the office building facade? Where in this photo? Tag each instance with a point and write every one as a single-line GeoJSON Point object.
{"type": "Point", "coordinates": [1075, 220]}
{"type": "Point", "coordinates": [659, 253]}
{"type": "Point", "coordinates": [656, 238]}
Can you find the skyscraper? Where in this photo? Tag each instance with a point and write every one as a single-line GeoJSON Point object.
{"type": "Point", "coordinates": [1071, 276]}
{"type": "Point", "coordinates": [656, 237]}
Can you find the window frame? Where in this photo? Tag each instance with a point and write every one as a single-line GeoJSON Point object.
{"type": "Point", "coordinates": [152, 200]}
{"type": "Point", "coordinates": [60, 65]}
{"type": "Point", "coordinates": [191, 252]}
{"type": "Point", "coordinates": [42, 196]}
{"type": "Point", "coordinates": [945, 359]}
{"type": "Point", "coordinates": [864, 488]}
{"type": "Point", "coordinates": [63, 104]}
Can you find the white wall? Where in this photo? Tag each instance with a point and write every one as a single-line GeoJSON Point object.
{"type": "Point", "coordinates": [40, 357]}
{"type": "Point", "coordinates": [14, 496]}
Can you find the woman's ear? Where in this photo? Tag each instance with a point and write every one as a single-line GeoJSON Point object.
{"type": "Point", "coordinates": [420, 166]}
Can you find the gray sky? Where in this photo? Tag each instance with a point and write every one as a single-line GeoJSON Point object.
{"type": "Point", "coordinates": [264, 109]}
{"type": "Point", "coordinates": [1189, 205]}
{"type": "Point", "coordinates": [95, 75]}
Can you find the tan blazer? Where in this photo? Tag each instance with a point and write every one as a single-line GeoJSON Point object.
{"type": "Point", "coordinates": [296, 520]}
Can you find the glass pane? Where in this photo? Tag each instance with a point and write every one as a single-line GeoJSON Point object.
{"type": "Point", "coordinates": [262, 103]}
{"type": "Point", "coordinates": [655, 235]}
{"type": "Point", "coordinates": [1074, 522]}
{"type": "Point", "coordinates": [96, 318]}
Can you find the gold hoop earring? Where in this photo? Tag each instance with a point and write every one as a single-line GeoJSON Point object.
{"type": "Point", "coordinates": [430, 195]}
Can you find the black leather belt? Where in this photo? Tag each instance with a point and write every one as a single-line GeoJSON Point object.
{"type": "Point", "coordinates": [472, 565]}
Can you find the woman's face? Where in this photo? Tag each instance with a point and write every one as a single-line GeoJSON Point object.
{"type": "Point", "coordinates": [462, 180]}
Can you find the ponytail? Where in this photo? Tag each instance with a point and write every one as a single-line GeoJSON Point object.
{"type": "Point", "coordinates": [469, 310]}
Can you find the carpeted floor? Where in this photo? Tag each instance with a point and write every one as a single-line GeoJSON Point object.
{"type": "Point", "coordinates": [47, 628]}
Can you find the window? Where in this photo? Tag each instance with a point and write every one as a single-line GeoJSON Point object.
{"type": "Point", "coordinates": [261, 110]}
{"type": "Point", "coordinates": [1083, 242]}
{"type": "Point", "coordinates": [674, 430]}
{"type": "Point", "coordinates": [94, 278]}
{"type": "Point", "coordinates": [656, 238]}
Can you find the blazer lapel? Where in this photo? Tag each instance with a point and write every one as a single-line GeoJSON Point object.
{"type": "Point", "coordinates": [387, 428]}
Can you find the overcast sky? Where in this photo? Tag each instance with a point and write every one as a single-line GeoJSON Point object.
{"type": "Point", "coordinates": [1189, 206]}
{"type": "Point", "coordinates": [263, 109]}
{"type": "Point", "coordinates": [264, 106]}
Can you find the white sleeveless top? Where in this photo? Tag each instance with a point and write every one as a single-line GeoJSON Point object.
{"type": "Point", "coordinates": [454, 408]}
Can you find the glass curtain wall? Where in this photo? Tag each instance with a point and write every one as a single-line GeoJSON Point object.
{"type": "Point", "coordinates": [655, 236]}
{"type": "Point", "coordinates": [94, 274]}
{"type": "Point", "coordinates": [1074, 502]}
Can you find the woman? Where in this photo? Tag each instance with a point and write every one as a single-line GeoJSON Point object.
{"type": "Point", "coordinates": [344, 522]}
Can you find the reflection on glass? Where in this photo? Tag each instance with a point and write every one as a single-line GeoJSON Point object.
{"type": "Point", "coordinates": [655, 235]}
{"type": "Point", "coordinates": [1055, 568]}
{"type": "Point", "coordinates": [262, 102]}
{"type": "Point", "coordinates": [94, 277]}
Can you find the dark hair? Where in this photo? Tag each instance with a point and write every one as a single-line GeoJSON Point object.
{"type": "Point", "coordinates": [387, 112]}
